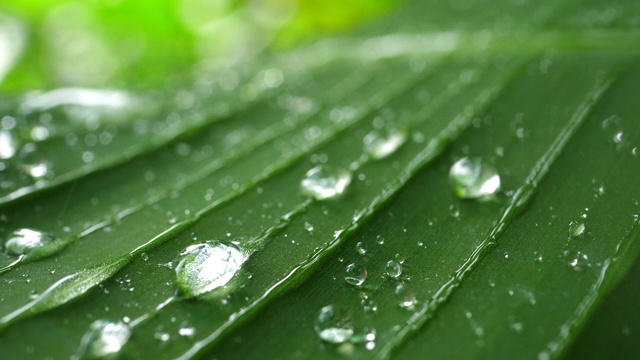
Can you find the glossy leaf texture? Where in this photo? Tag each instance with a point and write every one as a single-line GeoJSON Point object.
{"type": "Point", "coordinates": [306, 203]}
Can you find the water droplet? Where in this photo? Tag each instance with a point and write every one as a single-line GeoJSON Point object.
{"type": "Point", "coordinates": [323, 182]}
{"type": "Point", "coordinates": [333, 325]}
{"type": "Point", "coordinates": [407, 297]}
{"type": "Point", "coordinates": [576, 259]}
{"type": "Point", "coordinates": [187, 331]}
{"type": "Point", "coordinates": [162, 336]}
{"type": "Point", "coordinates": [380, 144]}
{"type": "Point", "coordinates": [361, 248]}
{"type": "Point", "coordinates": [472, 178]}
{"type": "Point", "coordinates": [31, 243]}
{"type": "Point", "coordinates": [308, 227]}
{"type": "Point", "coordinates": [454, 211]}
{"type": "Point", "coordinates": [355, 274]}
{"type": "Point", "coordinates": [8, 144]}
{"type": "Point", "coordinates": [598, 187]}
{"type": "Point", "coordinates": [515, 325]}
{"type": "Point", "coordinates": [204, 267]}
{"type": "Point", "coordinates": [33, 162]}
{"type": "Point", "coordinates": [104, 339]}
{"type": "Point", "coordinates": [393, 269]}
{"type": "Point", "coordinates": [576, 229]}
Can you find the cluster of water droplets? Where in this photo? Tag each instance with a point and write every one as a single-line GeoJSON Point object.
{"type": "Point", "coordinates": [21, 161]}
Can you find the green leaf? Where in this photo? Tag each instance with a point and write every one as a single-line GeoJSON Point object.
{"type": "Point", "coordinates": [183, 224]}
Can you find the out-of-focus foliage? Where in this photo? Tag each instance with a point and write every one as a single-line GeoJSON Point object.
{"type": "Point", "coordinates": [110, 42]}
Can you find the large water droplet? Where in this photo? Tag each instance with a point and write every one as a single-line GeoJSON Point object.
{"type": "Point", "coordinates": [31, 243]}
{"type": "Point", "coordinates": [323, 182]}
{"type": "Point", "coordinates": [407, 297]}
{"type": "Point", "coordinates": [355, 274]}
{"type": "Point", "coordinates": [104, 339]}
{"type": "Point", "coordinates": [8, 144]}
{"type": "Point", "coordinates": [576, 229]}
{"type": "Point", "coordinates": [204, 267]}
{"type": "Point", "coordinates": [472, 178]}
{"type": "Point", "coordinates": [333, 325]}
{"type": "Point", "coordinates": [361, 248]}
{"type": "Point", "coordinates": [381, 143]}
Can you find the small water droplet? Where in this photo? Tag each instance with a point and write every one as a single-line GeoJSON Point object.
{"type": "Point", "coordinates": [204, 267]}
{"type": "Point", "coordinates": [538, 257]}
{"type": "Point", "coordinates": [454, 211]}
{"type": "Point", "coordinates": [323, 182]}
{"type": "Point", "coordinates": [355, 274]}
{"type": "Point", "coordinates": [361, 248]}
{"type": "Point", "coordinates": [598, 187]}
{"type": "Point", "coordinates": [104, 339]}
{"type": "Point", "coordinates": [576, 259]}
{"type": "Point", "coordinates": [393, 269]}
{"type": "Point", "coordinates": [515, 325]}
{"type": "Point", "coordinates": [381, 143]}
{"type": "Point", "coordinates": [333, 325]}
{"type": "Point", "coordinates": [187, 332]}
{"type": "Point", "coordinates": [576, 229]}
{"type": "Point", "coordinates": [472, 178]}
{"type": "Point", "coordinates": [33, 162]}
{"type": "Point", "coordinates": [308, 227]}
{"type": "Point", "coordinates": [162, 336]}
{"type": "Point", "coordinates": [31, 243]}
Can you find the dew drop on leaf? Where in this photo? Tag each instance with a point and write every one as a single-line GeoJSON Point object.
{"type": "Point", "coordinates": [308, 226]}
{"type": "Point", "coordinates": [361, 248]}
{"type": "Point", "coordinates": [104, 339]}
{"type": "Point", "coordinates": [576, 259]}
{"type": "Point", "coordinates": [472, 178]}
{"type": "Point", "coordinates": [393, 269]}
{"type": "Point", "coordinates": [187, 332]}
{"type": "Point", "coordinates": [379, 144]}
{"type": "Point", "coordinates": [406, 296]}
{"type": "Point", "coordinates": [598, 187]}
{"type": "Point", "coordinates": [454, 211]}
{"type": "Point", "coordinates": [333, 325]}
{"type": "Point", "coordinates": [31, 243]}
{"type": "Point", "coordinates": [32, 162]}
{"type": "Point", "coordinates": [204, 267]}
{"type": "Point", "coordinates": [516, 325]}
{"type": "Point", "coordinates": [355, 274]}
{"type": "Point", "coordinates": [576, 229]}
{"type": "Point", "coordinates": [323, 182]}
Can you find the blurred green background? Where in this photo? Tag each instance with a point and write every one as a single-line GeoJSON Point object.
{"type": "Point", "coordinates": [149, 43]}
